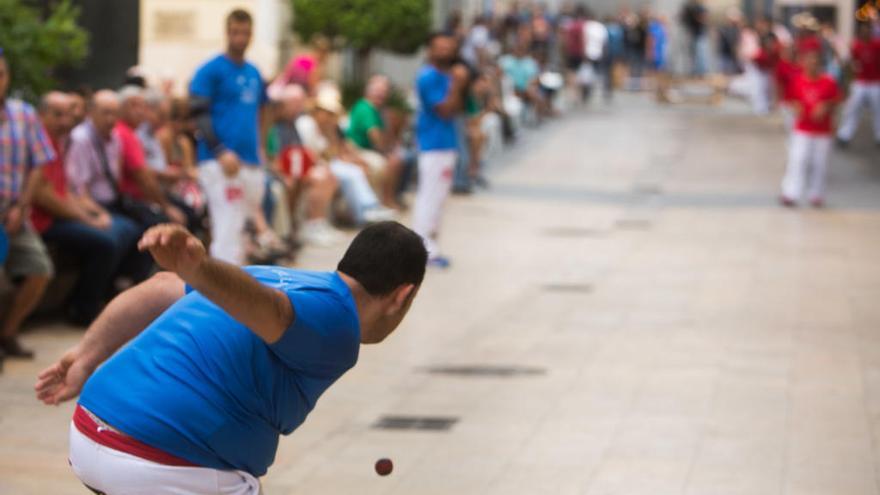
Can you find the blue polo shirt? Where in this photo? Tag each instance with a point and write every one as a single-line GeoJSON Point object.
{"type": "Point", "coordinates": [199, 385]}
{"type": "Point", "coordinates": [433, 132]}
{"type": "Point", "coordinates": [237, 92]}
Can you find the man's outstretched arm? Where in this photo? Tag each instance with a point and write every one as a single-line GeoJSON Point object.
{"type": "Point", "coordinates": [123, 319]}
{"type": "Point", "coordinates": [265, 311]}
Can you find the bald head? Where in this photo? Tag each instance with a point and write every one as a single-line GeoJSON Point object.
{"type": "Point", "coordinates": [56, 112]}
{"type": "Point", "coordinates": [377, 90]}
{"type": "Point", "coordinates": [104, 111]}
{"type": "Point", "coordinates": [293, 101]}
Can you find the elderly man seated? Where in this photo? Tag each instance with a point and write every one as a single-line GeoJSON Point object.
{"type": "Point", "coordinates": [367, 130]}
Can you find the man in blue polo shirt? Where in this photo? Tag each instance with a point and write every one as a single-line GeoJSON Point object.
{"type": "Point", "coordinates": [227, 95]}
{"type": "Point", "coordinates": [440, 86]}
{"type": "Point", "coordinates": [209, 363]}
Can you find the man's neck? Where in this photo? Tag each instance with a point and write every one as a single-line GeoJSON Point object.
{"type": "Point", "coordinates": [367, 316]}
{"type": "Point", "coordinates": [237, 57]}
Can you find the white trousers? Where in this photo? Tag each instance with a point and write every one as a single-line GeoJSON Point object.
{"type": "Point", "coordinates": [117, 473]}
{"type": "Point", "coordinates": [436, 170]}
{"type": "Point", "coordinates": [807, 165]}
{"type": "Point", "coordinates": [861, 94]}
{"type": "Point", "coordinates": [760, 89]}
{"type": "Point", "coordinates": [231, 201]}
{"type": "Point", "coordinates": [355, 188]}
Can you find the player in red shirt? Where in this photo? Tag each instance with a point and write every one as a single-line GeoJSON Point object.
{"type": "Point", "coordinates": [765, 62]}
{"type": "Point", "coordinates": [865, 88]}
{"type": "Point", "coordinates": [814, 96]}
{"type": "Point", "coordinates": [786, 71]}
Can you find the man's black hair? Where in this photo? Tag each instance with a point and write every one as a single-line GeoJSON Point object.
{"type": "Point", "coordinates": [239, 16]}
{"type": "Point", "coordinates": [384, 256]}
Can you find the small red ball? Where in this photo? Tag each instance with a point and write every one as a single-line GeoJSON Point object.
{"type": "Point", "coordinates": [384, 467]}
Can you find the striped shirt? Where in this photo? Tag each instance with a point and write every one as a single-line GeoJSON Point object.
{"type": "Point", "coordinates": [24, 146]}
{"type": "Point", "coordinates": [85, 171]}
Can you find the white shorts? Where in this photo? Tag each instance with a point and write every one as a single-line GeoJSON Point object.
{"type": "Point", "coordinates": [117, 473]}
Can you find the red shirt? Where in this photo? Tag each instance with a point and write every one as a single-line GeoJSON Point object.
{"type": "Point", "coordinates": [786, 72]}
{"type": "Point", "coordinates": [867, 57]}
{"type": "Point", "coordinates": [767, 57]}
{"type": "Point", "coordinates": [810, 93]}
{"type": "Point", "coordinates": [53, 171]}
{"type": "Point", "coordinates": [132, 159]}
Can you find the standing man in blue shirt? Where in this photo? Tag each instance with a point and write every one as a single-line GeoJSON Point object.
{"type": "Point", "coordinates": [204, 366]}
{"type": "Point", "coordinates": [228, 98]}
{"type": "Point", "coordinates": [440, 85]}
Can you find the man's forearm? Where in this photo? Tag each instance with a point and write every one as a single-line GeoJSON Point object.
{"type": "Point", "coordinates": [34, 180]}
{"type": "Point", "coordinates": [128, 315]}
{"type": "Point", "coordinates": [265, 311]}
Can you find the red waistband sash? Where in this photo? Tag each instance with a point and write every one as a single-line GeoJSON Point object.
{"type": "Point", "coordinates": [123, 443]}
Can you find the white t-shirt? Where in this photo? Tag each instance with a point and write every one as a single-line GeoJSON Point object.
{"type": "Point", "coordinates": [310, 134]}
{"type": "Point", "coordinates": [595, 39]}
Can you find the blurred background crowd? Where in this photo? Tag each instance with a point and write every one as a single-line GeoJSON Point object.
{"type": "Point", "coordinates": [260, 164]}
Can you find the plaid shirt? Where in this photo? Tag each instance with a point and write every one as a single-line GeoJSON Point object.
{"type": "Point", "coordinates": [24, 146]}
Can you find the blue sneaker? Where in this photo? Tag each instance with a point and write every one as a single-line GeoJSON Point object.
{"type": "Point", "coordinates": [438, 262]}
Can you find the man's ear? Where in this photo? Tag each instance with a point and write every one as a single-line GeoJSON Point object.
{"type": "Point", "coordinates": [399, 297]}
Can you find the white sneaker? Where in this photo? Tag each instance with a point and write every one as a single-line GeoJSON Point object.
{"type": "Point", "coordinates": [319, 234]}
{"type": "Point", "coordinates": [379, 214]}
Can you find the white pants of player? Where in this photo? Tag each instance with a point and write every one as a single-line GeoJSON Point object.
{"type": "Point", "coordinates": [355, 187]}
{"type": "Point", "coordinates": [861, 94]}
{"type": "Point", "coordinates": [760, 89]}
{"type": "Point", "coordinates": [117, 473]}
{"type": "Point", "coordinates": [231, 201]}
{"type": "Point", "coordinates": [807, 165]}
{"type": "Point", "coordinates": [436, 170]}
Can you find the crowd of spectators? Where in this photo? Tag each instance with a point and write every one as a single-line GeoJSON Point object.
{"type": "Point", "coordinates": [258, 167]}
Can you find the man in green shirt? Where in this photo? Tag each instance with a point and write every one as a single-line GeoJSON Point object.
{"type": "Point", "coordinates": [366, 130]}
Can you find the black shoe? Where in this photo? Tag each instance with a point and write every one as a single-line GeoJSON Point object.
{"type": "Point", "coordinates": [841, 143]}
{"type": "Point", "coordinates": [481, 182]}
{"type": "Point", "coordinates": [462, 189]}
{"type": "Point", "coordinates": [13, 349]}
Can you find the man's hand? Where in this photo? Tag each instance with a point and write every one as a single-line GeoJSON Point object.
{"type": "Point", "coordinates": [101, 221]}
{"type": "Point", "coordinates": [175, 214]}
{"type": "Point", "coordinates": [63, 380]}
{"type": "Point", "coordinates": [821, 111]}
{"type": "Point", "coordinates": [174, 249]}
{"type": "Point", "coordinates": [460, 74]}
{"type": "Point", "coordinates": [14, 219]}
{"type": "Point", "coordinates": [230, 163]}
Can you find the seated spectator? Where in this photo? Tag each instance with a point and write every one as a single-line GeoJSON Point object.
{"type": "Point", "coordinates": [94, 170]}
{"type": "Point", "coordinates": [294, 164]}
{"type": "Point", "coordinates": [321, 135]}
{"type": "Point", "coordinates": [78, 103]}
{"type": "Point", "coordinates": [81, 228]}
{"type": "Point", "coordinates": [155, 118]}
{"type": "Point", "coordinates": [366, 129]}
{"type": "Point", "coordinates": [178, 147]}
{"type": "Point", "coordinates": [147, 203]}
{"type": "Point", "coordinates": [523, 71]}
{"type": "Point", "coordinates": [24, 149]}
{"type": "Point", "coordinates": [306, 70]}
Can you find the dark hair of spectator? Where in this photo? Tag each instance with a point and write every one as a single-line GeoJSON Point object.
{"type": "Point", "coordinates": [239, 16]}
{"type": "Point", "coordinates": [384, 256]}
{"type": "Point", "coordinates": [135, 80]}
{"type": "Point", "coordinates": [179, 109]}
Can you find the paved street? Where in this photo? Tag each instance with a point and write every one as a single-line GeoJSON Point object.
{"type": "Point", "coordinates": [628, 312]}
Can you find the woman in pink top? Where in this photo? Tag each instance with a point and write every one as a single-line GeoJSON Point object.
{"type": "Point", "coordinates": [306, 69]}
